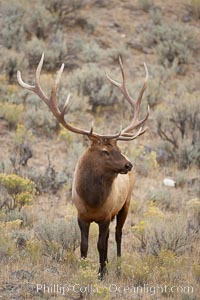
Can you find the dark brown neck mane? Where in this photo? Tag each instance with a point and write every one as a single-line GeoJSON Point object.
{"type": "Point", "coordinates": [94, 183]}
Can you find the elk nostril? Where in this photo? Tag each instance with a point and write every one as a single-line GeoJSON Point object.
{"type": "Point", "coordinates": [128, 166]}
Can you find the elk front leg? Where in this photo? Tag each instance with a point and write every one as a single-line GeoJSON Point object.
{"type": "Point", "coordinates": [84, 228]}
{"type": "Point", "coordinates": [102, 246]}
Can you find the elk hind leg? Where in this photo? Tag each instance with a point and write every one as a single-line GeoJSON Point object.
{"type": "Point", "coordinates": [121, 218]}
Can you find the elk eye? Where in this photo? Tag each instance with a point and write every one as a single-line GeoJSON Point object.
{"type": "Point", "coordinates": [106, 152]}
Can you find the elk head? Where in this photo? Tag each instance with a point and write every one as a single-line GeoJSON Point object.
{"type": "Point", "coordinates": [106, 151]}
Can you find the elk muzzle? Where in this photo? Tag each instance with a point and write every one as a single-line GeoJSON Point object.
{"type": "Point", "coordinates": [127, 168]}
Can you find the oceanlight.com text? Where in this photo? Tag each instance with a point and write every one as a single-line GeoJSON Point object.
{"type": "Point", "coordinates": [90, 289]}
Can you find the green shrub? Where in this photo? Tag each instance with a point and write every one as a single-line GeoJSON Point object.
{"type": "Point", "coordinates": [158, 232]}
{"type": "Point", "coordinates": [144, 160]}
{"type": "Point", "coordinates": [114, 53]}
{"type": "Point", "coordinates": [70, 14]}
{"type": "Point", "coordinates": [40, 119]}
{"type": "Point", "coordinates": [49, 181]}
{"type": "Point", "coordinates": [22, 190]}
{"type": "Point", "coordinates": [12, 113]}
{"type": "Point", "coordinates": [21, 151]}
{"type": "Point", "coordinates": [196, 272]}
{"type": "Point", "coordinates": [169, 234]}
{"type": "Point", "coordinates": [34, 49]}
{"type": "Point", "coordinates": [34, 250]}
{"type": "Point", "coordinates": [195, 8]}
{"type": "Point", "coordinates": [19, 23]}
{"type": "Point", "coordinates": [156, 15]}
{"type": "Point", "coordinates": [40, 23]}
{"type": "Point", "coordinates": [54, 6]}
{"type": "Point", "coordinates": [11, 61]}
{"type": "Point", "coordinates": [173, 42]}
{"type": "Point", "coordinates": [7, 245]}
{"type": "Point", "coordinates": [10, 92]}
{"type": "Point", "coordinates": [12, 215]}
{"type": "Point", "coordinates": [5, 199]}
{"type": "Point", "coordinates": [66, 53]}
{"type": "Point", "coordinates": [22, 135]}
{"type": "Point", "coordinates": [154, 92]}
{"type": "Point", "coordinates": [74, 47]}
{"type": "Point", "coordinates": [12, 30]}
{"type": "Point", "coordinates": [62, 6]}
{"type": "Point", "coordinates": [91, 81]}
{"type": "Point", "coordinates": [179, 127]}
{"type": "Point", "coordinates": [58, 236]}
{"type": "Point", "coordinates": [144, 4]}
{"type": "Point", "coordinates": [66, 12]}
{"type": "Point", "coordinates": [193, 208]}
{"type": "Point", "coordinates": [165, 267]}
{"type": "Point", "coordinates": [92, 52]}
{"type": "Point", "coordinates": [163, 199]}
{"type": "Point", "coordinates": [188, 154]}
{"type": "Point", "coordinates": [65, 136]}
{"type": "Point", "coordinates": [54, 55]}
{"type": "Point", "coordinates": [86, 276]}
{"type": "Point", "coordinates": [73, 153]}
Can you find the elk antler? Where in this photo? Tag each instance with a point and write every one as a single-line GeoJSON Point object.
{"type": "Point", "coordinates": [126, 133]}
{"type": "Point", "coordinates": [53, 105]}
{"type": "Point", "coordinates": [51, 102]}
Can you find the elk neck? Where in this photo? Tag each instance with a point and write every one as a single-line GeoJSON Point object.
{"type": "Point", "coordinates": [93, 183]}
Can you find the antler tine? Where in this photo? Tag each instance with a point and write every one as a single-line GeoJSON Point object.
{"type": "Point", "coordinates": [92, 128]}
{"type": "Point", "coordinates": [22, 83]}
{"type": "Point", "coordinates": [135, 122]}
{"type": "Point", "coordinates": [135, 104]}
{"type": "Point", "coordinates": [138, 103]}
{"type": "Point", "coordinates": [38, 70]}
{"type": "Point", "coordinates": [52, 101]}
{"type": "Point", "coordinates": [38, 90]}
{"type": "Point", "coordinates": [53, 105]}
{"type": "Point", "coordinates": [129, 137]}
{"type": "Point", "coordinates": [112, 136]}
{"type": "Point", "coordinates": [34, 88]}
{"type": "Point", "coordinates": [65, 106]}
{"type": "Point", "coordinates": [122, 86]}
{"type": "Point", "coordinates": [145, 118]}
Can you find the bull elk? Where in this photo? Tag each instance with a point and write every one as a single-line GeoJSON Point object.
{"type": "Point", "coordinates": [103, 178]}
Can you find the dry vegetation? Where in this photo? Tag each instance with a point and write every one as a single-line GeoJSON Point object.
{"type": "Point", "coordinates": [39, 238]}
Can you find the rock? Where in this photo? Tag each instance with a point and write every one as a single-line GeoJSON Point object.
{"type": "Point", "coordinates": [169, 182]}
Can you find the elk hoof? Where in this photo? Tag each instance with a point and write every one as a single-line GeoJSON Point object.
{"type": "Point", "coordinates": [102, 273]}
